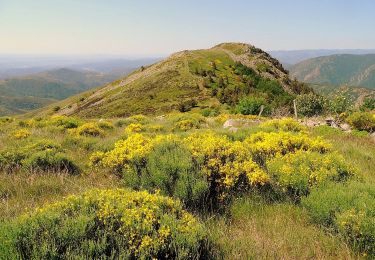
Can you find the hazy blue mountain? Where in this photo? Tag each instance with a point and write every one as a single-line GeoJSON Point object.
{"type": "Point", "coordinates": [20, 94]}
{"type": "Point", "coordinates": [289, 58]}
{"type": "Point", "coordinates": [21, 65]}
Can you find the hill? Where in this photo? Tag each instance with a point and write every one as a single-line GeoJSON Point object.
{"type": "Point", "coordinates": [356, 94]}
{"type": "Point", "coordinates": [220, 75]}
{"type": "Point", "coordinates": [352, 70]}
{"type": "Point", "coordinates": [291, 57]}
{"type": "Point", "coordinates": [20, 94]}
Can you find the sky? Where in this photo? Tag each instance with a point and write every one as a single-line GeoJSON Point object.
{"type": "Point", "coordinates": [160, 27]}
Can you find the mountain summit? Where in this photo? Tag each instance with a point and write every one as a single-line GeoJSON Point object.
{"type": "Point", "coordinates": [220, 75]}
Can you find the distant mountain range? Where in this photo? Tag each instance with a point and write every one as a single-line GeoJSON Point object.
{"type": "Point", "coordinates": [20, 94]}
{"type": "Point", "coordinates": [292, 57]}
{"type": "Point", "coordinates": [28, 82]}
{"type": "Point", "coordinates": [21, 65]}
{"type": "Point", "coordinates": [343, 69]}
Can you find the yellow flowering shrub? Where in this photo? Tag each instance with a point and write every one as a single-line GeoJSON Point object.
{"type": "Point", "coordinates": [141, 119]}
{"type": "Point", "coordinates": [134, 128]}
{"type": "Point", "coordinates": [265, 145]}
{"type": "Point", "coordinates": [105, 125]}
{"type": "Point", "coordinates": [21, 134]}
{"type": "Point", "coordinates": [117, 223]}
{"type": "Point", "coordinates": [90, 129]}
{"type": "Point", "coordinates": [297, 172]}
{"type": "Point", "coordinates": [224, 162]}
{"type": "Point", "coordinates": [186, 125]}
{"type": "Point", "coordinates": [126, 153]}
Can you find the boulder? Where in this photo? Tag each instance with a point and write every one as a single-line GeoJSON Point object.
{"type": "Point", "coordinates": [233, 123]}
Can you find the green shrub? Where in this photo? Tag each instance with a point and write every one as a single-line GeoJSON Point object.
{"type": "Point", "coordinates": [65, 122]}
{"type": "Point", "coordinates": [111, 224]}
{"type": "Point", "coordinates": [363, 121]}
{"type": "Point", "coordinates": [50, 161]}
{"type": "Point", "coordinates": [310, 104]}
{"type": "Point", "coordinates": [105, 125]}
{"type": "Point", "coordinates": [348, 209]}
{"type": "Point", "coordinates": [11, 160]}
{"type": "Point", "coordinates": [210, 112]}
{"type": "Point", "coordinates": [90, 129]}
{"type": "Point", "coordinates": [339, 104]}
{"type": "Point", "coordinates": [187, 105]}
{"type": "Point", "coordinates": [185, 125]}
{"type": "Point", "coordinates": [251, 105]}
{"type": "Point", "coordinates": [170, 168]}
{"type": "Point", "coordinates": [368, 104]}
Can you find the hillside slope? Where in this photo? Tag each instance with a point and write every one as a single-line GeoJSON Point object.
{"type": "Point", "coordinates": [222, 74]}
{"type": "Point", "coordinates": [352, 70]}
{"type": "Point", "coordinates": [356, 94]}
{"type": "Point", "coordinates": [21, 94]}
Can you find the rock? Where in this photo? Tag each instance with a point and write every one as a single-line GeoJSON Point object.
{"type": "Point", "coordinates": [232, 123]}
{"type": "Point", "coordinates": [331, 122]}
{"type": "Point", "coordinates": [345, 127]}
{"type": "Point", "coordinates": [372, 136]}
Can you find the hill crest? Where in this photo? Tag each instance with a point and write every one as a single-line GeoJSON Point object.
{"type": "Point", "coordinates": [212, 76]}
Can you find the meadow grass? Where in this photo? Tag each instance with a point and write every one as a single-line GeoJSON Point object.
{"type": "Point", "coordinates": [260, 230]}
{"type": "Point", "coordinates": [251, 229]}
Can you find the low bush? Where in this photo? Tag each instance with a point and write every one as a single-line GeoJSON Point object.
{"type": "Point", "coordinates": [21, 134]}
{"type": "Point", "coordinates": [348, 209]}
{"type": "Point", "coordinates": [113, 224]}
{"type": "Point", "coordinates": [65, 122]}
{"type": "Point", "coordinates": [50, 161]}
{"type": "Point", "coordinates": [105, 125]}
{"type": "Point", "coordinates": [134, 128]}
{"type": "Point", "coordinates": [251, 105]}
{"type": "Point", "coordinates": [363, 121]}
{"type": "Point", "coordinates": [90, 129]}
{"type": "Point", "coordinates": [310, 104]}
{"type": "Point", "coordinates": [11, 160]}
{"type": "Point", "coordinates": [265, 145]}
{"type": "Point", "coordinates": [186, 125]}
{"type": "Point", "coordinates": [170, 168]}
{"type": "Point", "coordinates": [296, 173]}
{"type": "Point", "coordinates": [210, 112]}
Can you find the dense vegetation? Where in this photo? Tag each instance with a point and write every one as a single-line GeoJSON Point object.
{"type": "Point", "coordinates": [241, 181]}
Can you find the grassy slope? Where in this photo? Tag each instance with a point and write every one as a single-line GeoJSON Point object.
{"type": "Point", "coordinates": [352, 70]}
{"type": "Point", "coordinates": [159, 88]}
{"type": "Point", "coordinates": [255, 229]}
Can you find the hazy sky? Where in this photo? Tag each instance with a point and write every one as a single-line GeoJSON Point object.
{"type": "Point", "coordinates": [158, 27]}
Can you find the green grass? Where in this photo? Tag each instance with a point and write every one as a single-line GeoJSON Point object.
{"type": "Point", "coordinates": [252, 229]}
{"type": "Point", "coordinates": [257, 230]}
